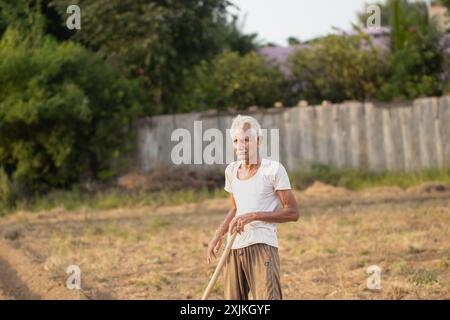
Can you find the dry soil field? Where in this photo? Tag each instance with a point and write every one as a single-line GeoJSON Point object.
{"type": "Point", "coordinates": [160, 252]}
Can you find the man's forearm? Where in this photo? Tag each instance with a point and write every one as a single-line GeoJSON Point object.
{"type": "Point", "coordinates": [223, 229]}
{"type": "Point", "coordinates": [277, 216]}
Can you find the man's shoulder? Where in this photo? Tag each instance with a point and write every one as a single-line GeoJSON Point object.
{"type": "Point", "coordinates": [230, 166]}
{"type": "Point", "coordinates": [271, 166]}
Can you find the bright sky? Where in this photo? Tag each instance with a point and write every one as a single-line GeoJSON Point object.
{"type": "Point", "coordinates": [276, 20]}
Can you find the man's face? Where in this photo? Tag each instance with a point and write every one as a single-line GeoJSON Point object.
{"type": "Point", "coordinates": [245, 143]}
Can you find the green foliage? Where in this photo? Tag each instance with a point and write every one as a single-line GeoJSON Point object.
{"type": "Point", "coordinates": [416, 59]}
{"type": "Point", "coordinates": [63, 112]}
{"type": "Point", "coordinates": [387, 15]}
{"type": "Point", "coordinates": [445, 3]}
{"type": "Point", "coordinates": [292, 41]}
{"type": "Point", "coordinates": [128, 34]}
{"type": "Point", "coordinates": [156, 40]}
{"type": "Point", "coordinates": [231, 80]}
{"type": "Point", "coordinates": [338, 68]}
{"type": "Point", "coordinates": [415, 72]}
{"type": "Point", "coordinates": [22, 15]}
{"type": "Point", "coordinates": [234, 40]}
{"type": "Point", "coordinates": [360, 179]}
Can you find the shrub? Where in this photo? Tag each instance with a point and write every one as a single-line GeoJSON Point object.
{"type": "Point", "coordinates": [338, 68]}
{"type": "Point", "coordinates": [231, 80]}
{"type": "Point", "coordinates": [63, 112]}
{"type": "Point", "coordinates": [416, 61]}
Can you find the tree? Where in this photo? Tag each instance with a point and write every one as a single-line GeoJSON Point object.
{"type": "Point", "coordinates": [409, 7]}
{"type": "Point", "coordinates": [416, 58]}
{"type": "Point", "coordinates": [158, 40]}
{"type": "Point", "coordinates": [63, 112]}
{"type": "Point", "coordinates": [231, 80]}
{"type": "Point", "coordinates": [22, 15]}
{"type": "Point", "coordinates": [292, 41]}
{"type": "Point", "coordinates": [235, 40]}
{"type": "Point", "coordinates": [338, 68]}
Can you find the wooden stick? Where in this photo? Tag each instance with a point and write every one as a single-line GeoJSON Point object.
{"type": "Point", "coordinates": [219, 267]}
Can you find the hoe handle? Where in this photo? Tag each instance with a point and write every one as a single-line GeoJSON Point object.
{"type": "Point", "coordinates": [219, 267]}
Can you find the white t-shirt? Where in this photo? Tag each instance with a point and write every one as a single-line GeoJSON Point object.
{"type": "Point", "coordinates": [257, 194]}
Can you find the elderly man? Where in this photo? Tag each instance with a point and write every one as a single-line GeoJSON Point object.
{"type": "Point", "coordinates": [260, 197]}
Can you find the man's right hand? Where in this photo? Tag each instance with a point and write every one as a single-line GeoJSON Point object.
{"type": "Point", "coordinates": [214, 247]}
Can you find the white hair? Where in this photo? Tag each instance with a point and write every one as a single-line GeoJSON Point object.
{"type": "Point", "coordinates": [239, 122]}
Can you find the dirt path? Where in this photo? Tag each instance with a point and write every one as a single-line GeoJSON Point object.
{"type": "Point", "coordinates": [22, 279]}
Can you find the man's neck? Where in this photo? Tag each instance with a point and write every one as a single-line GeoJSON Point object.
{"type": "Point", "coordinates": [248, 166]}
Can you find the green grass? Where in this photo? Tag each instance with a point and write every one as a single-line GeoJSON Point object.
{"type": "Point", "coordinates": [157, 223]}
{"type": "Point", "coordinates": [116, 230]}
{"type": "Point", "coordinates": [73, 200]}
{"type": "Point", "coordinates": [424, 277]}
{"type": "Point", "coordinates": [359, 179]}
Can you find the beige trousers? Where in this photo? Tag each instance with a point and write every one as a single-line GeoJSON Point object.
{"type": "Point", "coordinates": [254, 269]}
